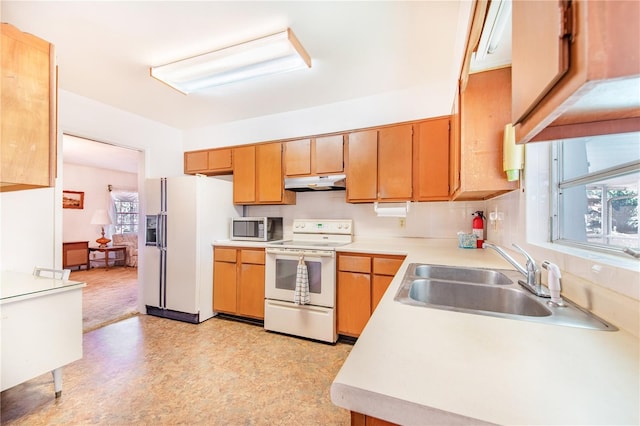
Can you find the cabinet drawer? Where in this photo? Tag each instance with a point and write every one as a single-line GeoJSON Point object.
{"type": "Point", "coordinates": [252, 256]}
{"type": "Point", "coordinates": [225, 254]}
{"type": "Point", "coordinates": [386, 266]}
{"type": "Point", "coordinates": [354, 264]}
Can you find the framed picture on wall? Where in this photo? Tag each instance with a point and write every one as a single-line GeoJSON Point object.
{"type": "Point", "coordinates": [72, 200]}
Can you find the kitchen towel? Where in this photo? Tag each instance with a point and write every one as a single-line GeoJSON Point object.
{"type": "Point", "coordinates": [301, 293]}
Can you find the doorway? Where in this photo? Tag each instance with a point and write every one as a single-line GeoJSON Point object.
{"type": "Point", "coordinates": [106, 177]}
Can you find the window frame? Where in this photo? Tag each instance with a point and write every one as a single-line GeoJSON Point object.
{"type": "Point", "coordinates": [117, 227]}
{"type": "Point", "coordinates": [557, 185]}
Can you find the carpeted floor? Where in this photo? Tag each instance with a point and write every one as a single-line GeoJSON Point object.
{"type": "Point", "coordinates": [110, 295]}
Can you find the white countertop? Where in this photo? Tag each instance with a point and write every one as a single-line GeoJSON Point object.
{"type": "Point", "coordinates": [416, 365]}
{"type": "Point", "coordinates": [20, 285]}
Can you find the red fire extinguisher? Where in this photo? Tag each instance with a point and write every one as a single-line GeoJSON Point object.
{"type": "Point", "coordinates": [478, 227]}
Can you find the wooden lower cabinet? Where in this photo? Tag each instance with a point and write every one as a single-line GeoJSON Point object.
{"type": "Point", "coordinates": [362, 280]}
{"type": "Point", "coordinates": [238, 281]}
{"type": "Point", "coordinates": [359, 419]}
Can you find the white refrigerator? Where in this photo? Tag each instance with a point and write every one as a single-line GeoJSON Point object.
{"type": "Point", "coordinates": [184, 215]}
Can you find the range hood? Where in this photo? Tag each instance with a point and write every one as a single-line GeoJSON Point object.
{"type": "Point", "coordinates": [315, 183]}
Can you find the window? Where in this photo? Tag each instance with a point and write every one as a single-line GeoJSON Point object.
{"type": "Point", "coordinates": [125, 211]}
{"type": "Point", "coordinates": [595, 192]}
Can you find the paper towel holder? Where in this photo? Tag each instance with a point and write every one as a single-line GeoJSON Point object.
{"type": "Point", "coordinates": [391, 209]}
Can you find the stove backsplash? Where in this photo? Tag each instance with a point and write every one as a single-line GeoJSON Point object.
{"type": "Point", "coordinates": [426, 220]}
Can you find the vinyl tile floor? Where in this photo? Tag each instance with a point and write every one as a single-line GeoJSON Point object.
{"type": "Point", "coordinates": [149, 370]}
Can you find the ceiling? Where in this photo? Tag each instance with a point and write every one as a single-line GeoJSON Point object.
{"type": "Point", "coordinates": [104, 50]}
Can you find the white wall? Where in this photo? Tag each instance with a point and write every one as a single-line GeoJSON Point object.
{"type": "Point", "coordinates": [27, 237]}
{"type": "Point", "coordinates": [93, 182]}
{"type": "Point", "coordinates": [31, 221]}
{"type": "Point", "coordinates": [162, 145]}
{"type": "Point", "coordinates": [386, 108]}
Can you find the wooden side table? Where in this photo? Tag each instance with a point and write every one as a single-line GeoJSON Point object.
{"type": "Point", "coordinates": [113, 249]}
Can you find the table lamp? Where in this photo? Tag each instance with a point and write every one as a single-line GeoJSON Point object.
{"type": "Point", "coordinates": [101, 217]}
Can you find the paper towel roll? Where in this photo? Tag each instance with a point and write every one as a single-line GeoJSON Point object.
{"type": "Point", "coordinates": [512, 154]}
{"type": "Point", "coordinates": [391, 209]}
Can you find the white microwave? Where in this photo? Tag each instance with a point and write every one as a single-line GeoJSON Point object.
{"type": "Point", "coordinates": [256, 228]}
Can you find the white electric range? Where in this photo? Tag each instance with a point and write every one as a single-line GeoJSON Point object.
{"type": "Point", "coordinates": [315, 241]}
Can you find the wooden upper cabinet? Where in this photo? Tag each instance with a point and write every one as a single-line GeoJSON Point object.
{"type": "Point", "coordinates": [395, 163]}
{"type": "Point", "coordinates": [431, 160]}
{"type": "Point", "coordinates": [454, 145]}
{"type": "Point", "coordinates": [362, 166]}
{"type": "Point", "coordinates": [244, 175]}
{"type": "Point", "coordinates": [314, 156]}
{"type": "Point", "coordinates": [574, 66]}
{"type": "Point", "coordinates": [28, 111]}
{"type": "Point", "coordinates": [297, 157]}
{"type": "Point", "coordinates": [328, 155]}
{"type": "Point", "coordinates": [379, 164]}
{"type": "Point", "coordinates": [258, 175]}
{"type": "Point", "coordinates": [540, 25]}
{"type": "Point", "coordinates": [485, 108]}
{"type": "Point", "coordinates": [209, 162]}
{"type": "Point", "coordinates": [269, 181]}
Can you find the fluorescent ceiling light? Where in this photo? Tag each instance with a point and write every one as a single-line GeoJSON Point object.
{"type": "Point", "coordinates": [497, 18]}
{"type": "Point", "coordinates": [272, 54]}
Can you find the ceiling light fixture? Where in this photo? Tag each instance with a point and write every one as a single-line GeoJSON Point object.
{"type": "Point", "coordinates": [497, 18]}
{"type": "Point", "coordinates": [267, 55]}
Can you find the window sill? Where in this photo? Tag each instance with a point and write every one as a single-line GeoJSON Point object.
{"type": "Point", "coordinates": [610, 271]}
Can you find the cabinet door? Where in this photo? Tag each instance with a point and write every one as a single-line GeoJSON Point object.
{"type": "Point", "coordinates": [395, 169]}
{"type": "Point", "coordinates": [484, 111]}
{"type": "Point", "coordinates": [28, 125]}
{"type": "Point", "coordinates": [353, 302]}
{"type": "Point", "coordinates": [431, 160]}
{"type": "Point", "coordinates": [454, 146]}
{"type": "Point", "coordinates": [196, 161]}
{"type": "Point", "coordinates": [270, 185]}
{"type": "Point", "coordinates": [329, 154]}
{"type": "Point", "coordinates": [244, 175]}
{"type": "Point", "coordinates": [540, 53]}
{"type": "Point", "coordinates": [379, 285]}
{"type": "Point", "coordinates": [219, 160]}
{"type": "Point", "coordinates": [251, 291]}
{"type": "Point", "coordinates": [224, 287]}
{"type": "Point", "coordinates": [297, 157]}
{"type": "Point", "coordinates": [362, 166]}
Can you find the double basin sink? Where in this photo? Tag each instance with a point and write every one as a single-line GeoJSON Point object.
{"type": "Point", "coordinates": [492, 292]}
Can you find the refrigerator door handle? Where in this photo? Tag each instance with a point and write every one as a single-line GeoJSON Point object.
{"type": "Point", "coordinates": [160, 242]}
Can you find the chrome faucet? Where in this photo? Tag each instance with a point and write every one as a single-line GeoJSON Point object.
{"type": "Point", "coordinates": [531, 271]}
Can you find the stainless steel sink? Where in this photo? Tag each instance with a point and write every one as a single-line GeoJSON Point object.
{"type": "Point", "coordinates": [487, 292]}
{"type": "Point", "coordinates": [466, 275]}
{"type": "Point", "coordinates": [476, 297]}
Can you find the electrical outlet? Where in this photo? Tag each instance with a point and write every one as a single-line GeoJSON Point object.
{"type": "Point", "coordinates": [402, 222]}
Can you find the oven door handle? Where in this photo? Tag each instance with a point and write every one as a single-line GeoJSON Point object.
{"type": "Point", "coordinates": [306, 253]}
